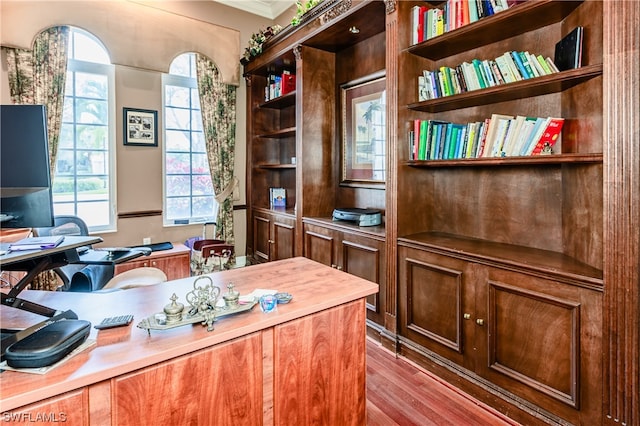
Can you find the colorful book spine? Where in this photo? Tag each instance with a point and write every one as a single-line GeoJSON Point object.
{"type": "Point", "coordinates": [550, 135]}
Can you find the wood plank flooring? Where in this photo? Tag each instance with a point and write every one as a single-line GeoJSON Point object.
{"type": "Point", "coordinates": [399, 393]}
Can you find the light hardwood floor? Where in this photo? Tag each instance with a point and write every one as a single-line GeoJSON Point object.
{"type": "Point", "coordinates": [399, 393]}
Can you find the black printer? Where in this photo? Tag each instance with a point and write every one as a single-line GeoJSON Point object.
{"type": "Point", "coordinates": [363, 217]}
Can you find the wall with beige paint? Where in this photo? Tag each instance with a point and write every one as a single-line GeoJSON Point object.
{"type": "Point", "coordinates": [143, 37]}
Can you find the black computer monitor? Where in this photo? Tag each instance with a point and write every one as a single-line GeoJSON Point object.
{"type": "Point", "coordinates": [25, 182]}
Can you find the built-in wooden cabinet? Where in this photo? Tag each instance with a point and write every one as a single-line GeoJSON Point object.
{"type": "Point", "coordinates": [323, 54]}
{"type": "Point", "coordinates": [501, 272]}
{"type": "Point", "coordinates": [532, 334]}
{"type": "Point", "coordinates": [357, 250]}
{"type": "Point", "coordinates": [273, 235]}
{"type": "Point", "coordinates": [514, 278]}
{"type": "Point", "coordinates": [175, 263]}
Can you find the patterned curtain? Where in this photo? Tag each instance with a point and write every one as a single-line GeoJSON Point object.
{"type": "Point", "coordinates": [218, 106]}
{"type": "Point", "coordinates": [37, 77]}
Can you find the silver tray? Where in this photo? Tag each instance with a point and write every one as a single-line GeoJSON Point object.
{"type": "Point", "coordinates": [202, 307]}
{"type": "Point", "coordinates": [156, 322]}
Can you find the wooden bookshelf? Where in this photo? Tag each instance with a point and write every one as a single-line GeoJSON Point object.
{"type": "Point", "coordinates": [493, 268]}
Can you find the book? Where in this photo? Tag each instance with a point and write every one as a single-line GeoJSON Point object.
{"type": "Point", "coordinates": [422, 139]}
{"type": "Point", "coordinates": [523, 135]}
{"type": "Point", "coordinates": [37, 243]}
{"type": "Point", "coordinates": [505, 70]}
{"type": "Point", "coordinates": [568, 51]}
{"type": "Point", "coordinates": [423, 92]}
{"type": "Point", "coordinates": [515, 71]}
{"type": "Point", "coordinates": [501, 133]}
{"type": "Point", "coordinates": [472, 139]}
{"type": "Point", "coordinates": [512, 133]}
{"type": "Point", "coordinates": [551, 65]}
{"type": "Point", "coordinates": [278, 197]}
{"type": "Point", "coordinates": [415, 17]}
{"type": "Point", "coordinates": [544, 64]}
{"type": "Point", "coordinates": [477, 66]}
{"type": "Point", "coordinates": [454, 140]}
{"type": "Point", "coordinates": [470, 76]}
{"type": "Point", "coordinates": [533, 61]}
{"type": "Point", "coordinates": [491, 145]}
{"type": "Point", "coordinates": [524, 72]}
{"type": "Point", "coordinates": [524, 56]}
{"type": "Point", "coordinates": [534, 136]}
{"type": "Point", "coordinates": [550, 135]}
{"type": "Point", "coordinates": [482, 137]}
{"type": "Point", "coordinates": [462, 141]}
{"type": "Point", "coordinates": [488, 72]}
{"type": "Point", "coordinates": [416, 138]}
{"type": "Point", "coordinates": [447, 141]}
{"type": "Point", "coordinates": [288, 82]}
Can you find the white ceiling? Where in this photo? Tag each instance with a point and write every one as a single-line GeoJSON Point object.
{"type": "Point", "coordinates": [266, 8]}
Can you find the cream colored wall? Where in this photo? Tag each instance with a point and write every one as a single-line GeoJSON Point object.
{"type": "Point", "coordinates": [145, 36]}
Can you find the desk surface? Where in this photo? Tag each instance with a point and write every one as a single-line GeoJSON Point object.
{"type": "Point", "coordinates": [315, 287]}
{"type": "Point", "coordinates": [70, 242]}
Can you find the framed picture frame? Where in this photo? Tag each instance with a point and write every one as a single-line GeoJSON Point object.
{"type": "Point", "coordinates": [140, 127]}
{"type": "Point", "coordinates": [363, 156]}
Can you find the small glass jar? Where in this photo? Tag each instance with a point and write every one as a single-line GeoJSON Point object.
{"type": "Point", "coordinates": [268, 303]}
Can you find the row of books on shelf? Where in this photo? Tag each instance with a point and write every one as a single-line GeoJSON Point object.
{"type": "Point", "coordinates": [479, 74]}
{"type": "Point", "coordinates": [428, 22]}
{"type": "Point", "coordinates": [279, 85]}
{"type": "Point", "coordinates": [499, 136]}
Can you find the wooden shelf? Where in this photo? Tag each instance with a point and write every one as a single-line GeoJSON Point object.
{"type": "Point", "coordinates": [509, 161]}
{"type": "Point", "coordinates": [552, 83]}
{"type": "Point", "coordinates": [519, 19]}
{"type": "Point", "coordinates": [551, 263]}
{"type": "Point", "coordinates": [281, 101]}
{"type": "Point", "coordinates": [288, 212]}
{"type": "Point", "coordinates": [279, 134]}
{"type": "Point", "coordinates": [277, 166]}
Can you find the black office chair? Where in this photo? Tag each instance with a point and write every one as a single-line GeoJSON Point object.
{"type": "Point", "coordinates": [76, 277]}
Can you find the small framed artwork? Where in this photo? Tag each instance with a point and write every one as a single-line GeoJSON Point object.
{"type": "Point", "coordinates": [140, 127]}
{"type": "Point", "coordinates": [363, 131]}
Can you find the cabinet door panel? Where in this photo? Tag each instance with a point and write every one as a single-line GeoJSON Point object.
{"type": "Point", "coordinates": [69, 408]}
{"type": "Point", "coordinates": [174, 263]}
{"type": "Point", "coordinates": [319, 245]}
{"type": "Point", "coordinates": [261, 240]}
{"type": "Point", "coordinates": [216, 386]}
{"type": "Point", "coordinates": [432, 295]}
{"type": "Point", "coordinates": [284, 238]}
{"type": "Point", "coordinates": [321, 384]}
{"type": "Point", "coordinates": [527, 327]}
{"type": "Point", "coordinates": [365, 258]}
{"type": "Point", "coordinates": [543, 340]}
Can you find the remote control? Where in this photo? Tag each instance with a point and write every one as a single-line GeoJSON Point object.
{"type": "Point", "coordinates": [117, 321]}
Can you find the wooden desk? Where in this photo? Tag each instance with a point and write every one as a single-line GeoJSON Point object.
{"type": "Point", "coordinates": [174, 262]}
{"type": "Point", "coordinates": [304, 364]}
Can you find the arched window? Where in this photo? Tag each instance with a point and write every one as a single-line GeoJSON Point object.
{"type": "Point", "coordinates": [188, 192]}
{"type": "Point", "coordinates": [83, 184]}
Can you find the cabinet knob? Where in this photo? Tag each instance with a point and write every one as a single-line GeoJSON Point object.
{"type": "Point", "coordinates": [466, 316]}
{"type": "Point", "coordinates": [333, 265]}
{"type": "Point", "coordinates": [271, 242]}
{"type": "Point", "coordinates": [480, 321]}
{"type": "Point", "coordinates": [339, 268]}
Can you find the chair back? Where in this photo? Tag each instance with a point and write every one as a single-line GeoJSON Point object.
{"type": "Point", "coordinates": [64, 225]}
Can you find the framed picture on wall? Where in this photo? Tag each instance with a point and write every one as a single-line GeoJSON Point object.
{"type": "Point", "coordinates": [140, 127]}
{"type": "Point", "coordinates": [363, 131]}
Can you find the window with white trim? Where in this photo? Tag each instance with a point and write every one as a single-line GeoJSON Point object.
{"type": "Point", "coordinates": [83, 183]}
{"type": "Point", "coordinates": [188, 191]}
